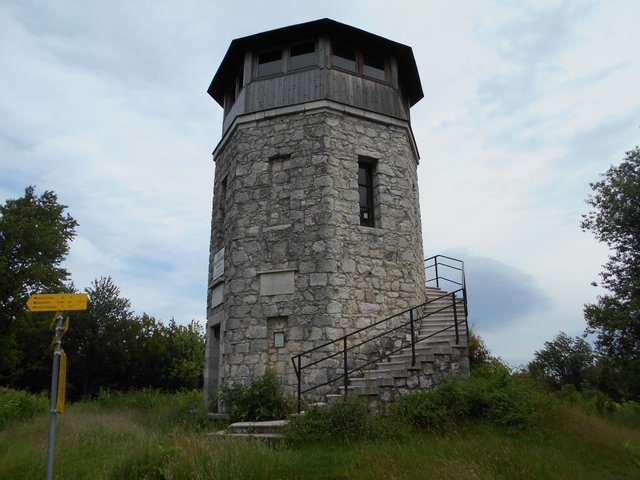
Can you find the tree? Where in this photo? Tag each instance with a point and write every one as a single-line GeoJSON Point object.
{"type": "Point", "coordinates": [186, 346]}
{"type": "Point", "coordinates": [98, 341]}
{"type": "Point", "coordinates": [479, 353]}
{"type": "Point", "coordinates": [564, 361]}
{"type": "Point", "coordinates": [111, 348]}
{"type": "Point", "coordinates": [35, 233]}
{"type": "Point", "coordinates": [615, 318]}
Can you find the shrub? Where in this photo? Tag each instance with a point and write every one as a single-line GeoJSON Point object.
{"type": "Point", "coordinates": [491, 395]}
{"type": "Point", "coordinates": [19, 405]}
{"type": "Point", "coordinates": [142, 399]}
{"type": "Point", "coordinates": [479, 353]}
{"type": "Point", "coordinates": [262, 399]}
{"type": "Point", "coordinates": [628, 413]}
{"type": "Point", "coordinates": [350, 419]}
{"type": "Point", "coordinates": [591, 400]}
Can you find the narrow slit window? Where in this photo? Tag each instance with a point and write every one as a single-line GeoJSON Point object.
{"type": "Point", "coordinates": [365, 192]}
{"type": "Point", "coordinates": [270, 63]}
{"type": "Point", "coordinates": [302, 55]}
{"type": "Point", "coordinates": [221, 200]}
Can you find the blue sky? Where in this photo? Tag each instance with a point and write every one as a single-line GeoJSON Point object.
{"type": "Point", "coordinates": [525, 103]}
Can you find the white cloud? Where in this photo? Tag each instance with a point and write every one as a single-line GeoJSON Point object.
{"type": "Point", "coordinates": [105, 104]}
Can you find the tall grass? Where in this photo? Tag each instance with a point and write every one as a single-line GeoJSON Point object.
{"type": "Point", "coordinates": [150, 435]}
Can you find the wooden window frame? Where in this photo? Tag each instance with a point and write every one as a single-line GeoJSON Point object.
{"type": "Point", "coordinates": [286, 59]}
{"type": "Point", "coordinates": [369, 166]}
{"type": "Point", "coordinates": [359, 60]}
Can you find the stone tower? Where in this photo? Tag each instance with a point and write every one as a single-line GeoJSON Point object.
{"type": "Point", "coordinates": [316, 220]}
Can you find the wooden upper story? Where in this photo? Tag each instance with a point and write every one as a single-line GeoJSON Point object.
{"type": "Point", "coordinates": [319, 60]}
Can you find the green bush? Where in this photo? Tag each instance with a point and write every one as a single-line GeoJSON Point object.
{"type": "Point", "coordinates": [627, 413]}
{"type": "Point", "coordinates": [350, 420]}
{"type": "Point", "coordinates": [491, 395]}
{"type": "Point", "coordinates": [18, 405]}
{"type": "Point", "coordinates": [589, 399]}
{"type": "Point", "coordinates": [262, 399]}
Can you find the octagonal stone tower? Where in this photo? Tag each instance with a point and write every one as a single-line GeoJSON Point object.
{"type": "Point", "coordinates": [316, 220]}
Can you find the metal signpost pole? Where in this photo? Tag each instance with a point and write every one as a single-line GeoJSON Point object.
{"type": "Point", "coordinates": [54, 394]}
{"type": "Point", "coordinates": [56, 302]}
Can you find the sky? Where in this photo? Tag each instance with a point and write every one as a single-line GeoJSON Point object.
{"type": "Point", "coordinates": [526, 102]}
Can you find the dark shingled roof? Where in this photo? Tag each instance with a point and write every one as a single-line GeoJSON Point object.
{"type": "Point", "coordinates": [233, 59]}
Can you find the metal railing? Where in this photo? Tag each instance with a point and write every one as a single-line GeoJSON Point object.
{"type": "Point", "coordinates": [342, 354]}
{"type": "Point", "coordinates": [447, 272]}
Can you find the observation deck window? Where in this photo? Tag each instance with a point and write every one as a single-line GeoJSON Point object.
{"type": "Point", "coordinates": [269, 63]}
{"type": "Point", "coordinates": [302, 55]}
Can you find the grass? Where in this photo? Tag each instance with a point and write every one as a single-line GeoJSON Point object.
{"type": "Point", "coordinates": [148, 435]}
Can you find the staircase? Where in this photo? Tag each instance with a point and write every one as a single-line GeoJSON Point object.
{"type": "Point", "coordinates": [437, 355]}
{"type": "Point", "coordinates": [416, 349]}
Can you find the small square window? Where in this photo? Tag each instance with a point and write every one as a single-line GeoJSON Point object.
{"type": "Point", "coordinates": [278, 339]}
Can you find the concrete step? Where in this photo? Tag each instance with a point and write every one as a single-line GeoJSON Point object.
{"type": "Point", "coordinates": [333, 398]}
{"type": "Point", "coordinates": [266, 429]}
{"type": "Point", "coordinates": [395, 366]}
{"type": "Point", "coordinates": [367, 382]}
{"type": "Point", "coordinates": [448, 326]}
{"type": "Point", "coordinates": [441, 308]}
{"type": "Point", "coordinates": [430, 336]}
{"type": "Point", "coordinates": [270, 426]}
{"type": "Point", "coordinates": [368, 390]}
{"type": "Point", "coordinates": [265, 436]}
{"type": "Point", "coordinates": [381, 372]}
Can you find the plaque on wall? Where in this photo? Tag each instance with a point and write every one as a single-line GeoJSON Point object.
{"type": "Point", "coordinates": [218, 264]}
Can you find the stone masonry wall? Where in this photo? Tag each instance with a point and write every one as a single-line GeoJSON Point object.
{"type": "Point", "coordinates": [291, 214]}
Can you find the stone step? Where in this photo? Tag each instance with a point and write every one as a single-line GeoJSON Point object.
{"type": "Point", "coordinates": [430, 336]}
{"type": "Point", "coordinates": [270, 426]}
{"type": "Point", "coordinates": [333, 398]}
{"type": "Point", "coordinates": [437, 326]}
{"type": "Point", "coordinates": [441, 316]}
{"type": "Point", "coordinates": [395, 366]}
{"type": "Point", "coordinates": [369, 390]}
{"type": "Point", "coordinates": [385, 377]}
{"type": "Point", "coordinates": [266, 428]}
{"type": "Point", "coordinates": [265, 436]}
{"type": "Point", "coordinates": [440, 310]}
{"type": "Point", "coordinates": [369, 382]}
{"type": "Point", "coordinates": [446, 326]}
{"type": "Point", "coordinates": [406, 358]}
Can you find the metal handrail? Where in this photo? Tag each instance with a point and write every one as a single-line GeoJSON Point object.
{"type": "Point", "coordinates": [435, 262]}
{"type": "Point", "coordinates": [339, 339]}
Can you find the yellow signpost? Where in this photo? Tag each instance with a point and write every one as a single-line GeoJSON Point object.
{"type": "Point", "coordinates": [62, 382]}
{"type": "Point", "coordinates": [57, 302]}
